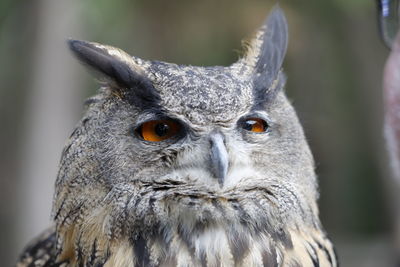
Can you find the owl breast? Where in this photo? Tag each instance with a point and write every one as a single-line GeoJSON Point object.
{"type": "Point", "coordinates": [174, 224]}
{"type": "Point", "coordinates": [217, 246]}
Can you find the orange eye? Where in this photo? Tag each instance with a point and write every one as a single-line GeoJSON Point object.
{"type": "Point", "coordinates": [158, 130]}
{"type": "Point", "coordinates": [255, 125]}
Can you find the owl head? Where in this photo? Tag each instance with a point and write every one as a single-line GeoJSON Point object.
{"type": "Point", "coordinates": [171, 148]}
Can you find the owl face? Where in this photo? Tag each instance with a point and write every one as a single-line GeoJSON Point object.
{"type": "Point", "coordinates": [204, 127]}
{"type": "Point", "coordinates": [164, 144]}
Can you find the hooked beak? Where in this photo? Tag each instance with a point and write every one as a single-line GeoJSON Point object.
{"type": "Point", "coordinates": [218, 157]}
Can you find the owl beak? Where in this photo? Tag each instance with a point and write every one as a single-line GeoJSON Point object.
{"type": "Point", "coordinates": [219, 157]}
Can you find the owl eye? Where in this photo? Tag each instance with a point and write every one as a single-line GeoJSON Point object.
{"type": "Point", "coordinates": [158, 130]}
{"type": "Point", "coordinates": [255, 125]}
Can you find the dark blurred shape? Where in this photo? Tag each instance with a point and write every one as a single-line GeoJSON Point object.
{"type": "Point", "coordinates": [388, 16]}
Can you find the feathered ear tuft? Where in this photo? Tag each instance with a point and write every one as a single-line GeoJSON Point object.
{"type": "Point", "coordinates": [267, 51]}
{"type": "Point", "coordinates": [112, 62]}
{"type": "Point", "coordinates": [119, 67]}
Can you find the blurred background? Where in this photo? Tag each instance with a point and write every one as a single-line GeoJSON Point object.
{"type": "Point", "coordinates": [334, 66]}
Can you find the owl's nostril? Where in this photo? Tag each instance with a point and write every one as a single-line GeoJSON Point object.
{"type": "Point", "coordinates": [218, 157]}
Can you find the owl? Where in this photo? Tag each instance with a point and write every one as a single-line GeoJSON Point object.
{"type": "Point", "coordinates": [175, 165]}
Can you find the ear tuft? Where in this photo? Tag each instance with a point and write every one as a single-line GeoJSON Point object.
{"type": "Point", "coordinates": [118, 67]}
{"type": "Point", "coordinates": [266, 54]}
{"type": "Point", "coordinates": [268, 49]}
{"type": "Point", "coordinates": [109, 61]}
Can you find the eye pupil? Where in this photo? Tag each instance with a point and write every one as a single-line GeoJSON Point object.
{"type": "Point", "coordinates": [248, 125]}
{"type": "Point", "coordinates": [161, 129]}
